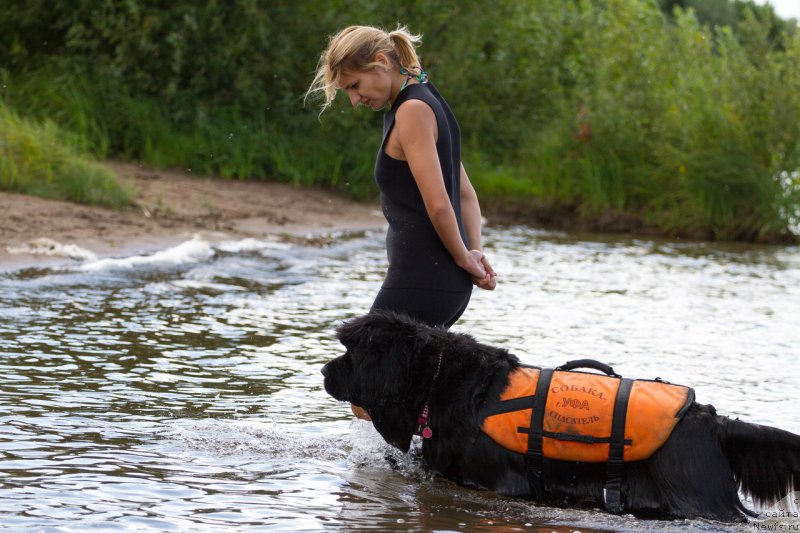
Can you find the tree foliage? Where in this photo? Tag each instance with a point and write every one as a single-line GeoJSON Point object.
{"type": "Point", "coordinates": [683, 113]}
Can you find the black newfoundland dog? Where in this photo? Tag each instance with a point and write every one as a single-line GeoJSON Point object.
{"type": "Point", "coordinates": [401, 371]}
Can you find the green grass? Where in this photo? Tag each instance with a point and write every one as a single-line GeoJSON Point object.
{"type": "Point", "coordinates": [230, 141]}
{"type": "Point", "coordinates": [36, 160]}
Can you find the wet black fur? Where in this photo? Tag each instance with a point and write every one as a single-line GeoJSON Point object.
{"type": "Point", "coordinates": [388, 370]}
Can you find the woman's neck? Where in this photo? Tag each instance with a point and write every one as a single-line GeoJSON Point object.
{"type": "Point", "coordinates": [399, 82]}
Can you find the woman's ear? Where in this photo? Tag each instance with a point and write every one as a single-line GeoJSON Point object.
{"type": "Point", "coordinates": [382, 58]}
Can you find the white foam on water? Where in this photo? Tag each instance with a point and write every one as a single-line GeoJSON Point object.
{"type": "Point", "coordinates": [265, 439]}
{"type": "Point", "coordinates": [251, 245]}
{"type": "Point", "coordinates": [360, 445]}
{"type": "Point", "coordinates": [46, 246]}
{"type": "Point", "coordinates": [367, 447]}
{"type": "Point", "coordinates": [204, 285]}
{"type": "Point", "coordinates": [190, 251]}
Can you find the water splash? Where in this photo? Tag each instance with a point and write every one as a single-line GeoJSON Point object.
{"type": "Point", "coordinates": [190, 251]}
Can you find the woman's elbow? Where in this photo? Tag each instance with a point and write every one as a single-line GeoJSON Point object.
{"type": "Point", "coordinates": [439, 210]}
{"type": "Point", "coordinates": [469, 201]}
{"type": "Point", "coordinates": [468, 194]}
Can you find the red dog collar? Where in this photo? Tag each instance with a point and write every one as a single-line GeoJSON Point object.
{"type": "Point", "coordinates": [423, 426]}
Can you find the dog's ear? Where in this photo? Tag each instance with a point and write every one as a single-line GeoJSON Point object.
{"type": "Point", "coordinates": [387, 386]}
{"type": "Point", "coordinates": [386, 347]}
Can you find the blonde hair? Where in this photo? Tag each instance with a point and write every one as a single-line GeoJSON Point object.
{"type": "Point", "coordinates": [355, 48]}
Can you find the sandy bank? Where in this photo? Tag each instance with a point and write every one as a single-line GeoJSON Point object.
{"type": "Point", "coordinates": [170, 207]}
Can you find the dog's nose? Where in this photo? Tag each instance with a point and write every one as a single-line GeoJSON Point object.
{"type": "Point", "coordinates": [325, 370]}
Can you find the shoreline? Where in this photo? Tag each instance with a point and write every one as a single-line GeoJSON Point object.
{"type": "Point", "coordinates": [170, 207]}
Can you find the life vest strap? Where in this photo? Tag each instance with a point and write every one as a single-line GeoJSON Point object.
{"type": "Point", "coordinates": [533, 457]}
{"type": "Point", "coordinates": [573, 437]}
{"type": "Point", "coordinates": [506, 406]}
{"type": "Point", "coordinates": [612, 493]}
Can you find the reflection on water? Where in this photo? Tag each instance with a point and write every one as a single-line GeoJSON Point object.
{"type": "Point", "coordinates": [182, 391]}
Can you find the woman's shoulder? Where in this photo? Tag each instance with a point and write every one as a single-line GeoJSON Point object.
{"type": "Point", "coordinates": [415, 113]}
{"type": "Point", "coordinates": [413, 105]}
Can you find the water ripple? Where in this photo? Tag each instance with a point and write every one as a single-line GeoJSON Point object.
{"type": "Point", "coordinates": [181, 390]}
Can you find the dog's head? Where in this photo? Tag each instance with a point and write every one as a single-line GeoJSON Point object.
{"type": "Point", "coordinates": [386, 370]}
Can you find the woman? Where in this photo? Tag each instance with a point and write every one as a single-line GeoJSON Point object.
{"type": "Point", "coordinates": [434, 237]}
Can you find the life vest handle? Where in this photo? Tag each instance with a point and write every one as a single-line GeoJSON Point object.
{"type": "Point", "coordinates": [589, 363]}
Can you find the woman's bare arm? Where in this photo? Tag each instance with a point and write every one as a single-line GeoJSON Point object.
{"type": "Point", "coordinates": [416, 129]}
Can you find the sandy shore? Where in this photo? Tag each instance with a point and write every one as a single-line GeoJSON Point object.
{"type": "Point", "coordinates": [170, 207]}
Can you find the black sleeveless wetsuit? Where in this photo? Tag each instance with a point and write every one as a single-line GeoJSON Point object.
{"type": "Point", "coordinates": [422, 281]}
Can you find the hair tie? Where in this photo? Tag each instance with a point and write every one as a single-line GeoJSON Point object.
{"type": "Point", "coordinates": [422, 77]}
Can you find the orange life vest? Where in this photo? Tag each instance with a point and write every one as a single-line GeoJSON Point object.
{"type": "Point", "coordinates": [577, 420]}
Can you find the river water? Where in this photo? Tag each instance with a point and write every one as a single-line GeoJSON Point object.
{"type": "Point", "coordinates": [181, 390]}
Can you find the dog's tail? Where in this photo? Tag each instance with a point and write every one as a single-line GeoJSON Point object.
{"type": "Point", "coordinates": [765, 460]}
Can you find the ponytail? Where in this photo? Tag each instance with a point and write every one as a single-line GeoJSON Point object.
{"type": "Point", "coordinates": [405, 49]}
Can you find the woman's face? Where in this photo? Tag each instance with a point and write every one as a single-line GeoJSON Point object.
{"type": "Point", "coordinates": [372, 88]}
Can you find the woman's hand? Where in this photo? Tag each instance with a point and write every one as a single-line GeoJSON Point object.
{"type": "Point", "coordinates": [482, 273]}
